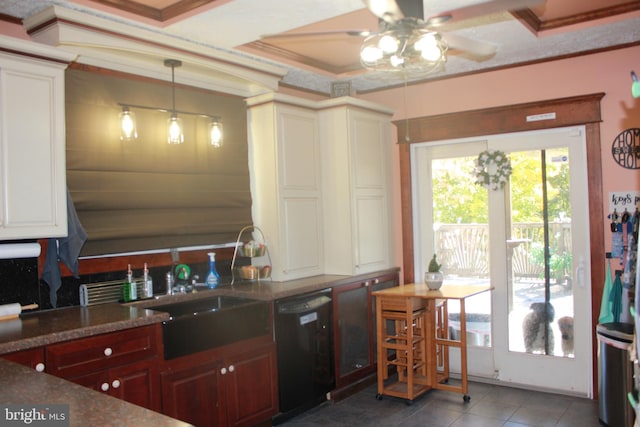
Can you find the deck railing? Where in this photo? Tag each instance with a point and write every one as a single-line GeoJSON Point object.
{"type": "Point", "coordinates": [463, 249]}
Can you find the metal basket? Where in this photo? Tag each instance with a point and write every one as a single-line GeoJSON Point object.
{"type": "Point", "coordinates": [251, 251]}
{"type": "Point", "coordinates": [253, 272]}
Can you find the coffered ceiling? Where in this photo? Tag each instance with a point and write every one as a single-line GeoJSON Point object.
{"type": "Point", "coordinates": [555, 29]}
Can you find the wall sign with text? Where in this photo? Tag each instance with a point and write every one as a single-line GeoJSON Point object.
{"type": "Point", "coordinates": [620, 201]}
{"type": "Point", "coordinates": [626, 148]}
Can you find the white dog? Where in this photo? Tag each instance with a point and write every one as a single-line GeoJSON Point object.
{"type": "Point", "coordinates": [565, 324]}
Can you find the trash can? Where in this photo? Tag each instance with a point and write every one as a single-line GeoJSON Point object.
{"type": "Point", "coordinates": [615, 374]}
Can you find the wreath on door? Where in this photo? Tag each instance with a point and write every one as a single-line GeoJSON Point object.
{"type": "Point", "coordinates": [493, 169]}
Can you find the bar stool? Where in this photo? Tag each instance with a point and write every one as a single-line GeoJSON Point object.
{"type": "Point", "coordinates": [401, 334]}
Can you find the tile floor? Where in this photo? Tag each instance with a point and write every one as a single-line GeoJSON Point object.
{"type": "Point", "coordinates": [490, 406]}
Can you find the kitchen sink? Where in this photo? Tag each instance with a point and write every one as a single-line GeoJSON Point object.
{"type": "Point", "coordinates": [206, 323]}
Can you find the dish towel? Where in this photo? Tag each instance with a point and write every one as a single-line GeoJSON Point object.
{"type": "Point", "coordinates": [616, 298]}
{"type": "Point", "coordinates": [65, 249]}
{"type": "Point", "coordinates": [606, 316]}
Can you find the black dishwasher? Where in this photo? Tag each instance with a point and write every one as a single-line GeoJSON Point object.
{"type": "Point", "coordinates": [304, 342]}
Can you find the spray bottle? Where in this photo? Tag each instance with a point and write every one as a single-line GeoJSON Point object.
{"type": "Point", "coordinates": [213, 278]}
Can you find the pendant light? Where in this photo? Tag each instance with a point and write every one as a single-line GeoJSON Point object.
{"type": "Point", "coordinates": [215, 133]}
{"type": "Point", "coordinates": [175, 128]}
{"type": "Point", "coordinates": [128, 130]}
{"type": "Point", "coordinates": [175, 131]}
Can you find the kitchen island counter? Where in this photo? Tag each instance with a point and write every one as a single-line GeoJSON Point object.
{"type": "Point", "coordinates": [46, 327]}
{"type": "Point", "coordinates": [24, 387]}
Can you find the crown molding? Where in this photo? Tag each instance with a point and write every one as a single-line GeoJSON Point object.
{"type": "Point", "coordinates": [131, 48]}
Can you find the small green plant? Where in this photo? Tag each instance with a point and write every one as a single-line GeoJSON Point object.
{"type": "Point", "coordinates": [433, 265]}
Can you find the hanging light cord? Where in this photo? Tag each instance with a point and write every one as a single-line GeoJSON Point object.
{"type": "Point", "coordinates": [173, 88]}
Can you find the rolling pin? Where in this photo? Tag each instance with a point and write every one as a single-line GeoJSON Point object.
{"type": "Point", "coordinates": [12, 311]}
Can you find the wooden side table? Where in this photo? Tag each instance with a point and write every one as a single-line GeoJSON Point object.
{"type": "Point", "coordinates": [401, 336]}
{"type": "Point", "coordinates": [418, 346]}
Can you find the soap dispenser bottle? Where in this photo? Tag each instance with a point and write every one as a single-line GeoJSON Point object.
{"type": "Point", "coordinates": [133, 291]}
{"type": "Point", "coordinates": [130, 292]}
{"type": "Point", "coordinates": [213, 278]}
{"type": "Point", "coordinates": [147, 283]}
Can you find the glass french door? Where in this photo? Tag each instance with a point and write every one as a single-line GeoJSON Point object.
{"type": "Point", "coordinates": [529, 241]}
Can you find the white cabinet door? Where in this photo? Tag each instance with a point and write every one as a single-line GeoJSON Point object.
{"type": "Point", "coordinates": [286, 186]}
{"type": "Point", "coordinates": [356, 166]}
{"type": "Point", "coordinates": [32, 157]}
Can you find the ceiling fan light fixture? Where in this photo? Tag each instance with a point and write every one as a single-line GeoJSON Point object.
{"type": "Point", "coordinates": [396, 61]}
{"type": "Point", "coordinates": [404, 48]}
{"type": "Point", "coordinates": [370, 54]}
{"type": "Point", "coordinates": [388, 44]}
{"type": "Point", "coordinates": [430, 47]}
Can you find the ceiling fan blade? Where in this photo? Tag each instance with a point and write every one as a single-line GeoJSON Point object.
{"type": "Point", "coordinates": [480, 9]}
{"type": "Point", "coordinates": [474, 47]}
{"type": "Point", "coordinates": [358, 33]}
{"type": "Point", "coordinates": [387, 10]}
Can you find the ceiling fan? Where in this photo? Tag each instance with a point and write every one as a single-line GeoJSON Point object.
{"type": "Point", "coordinates": [410, 42]}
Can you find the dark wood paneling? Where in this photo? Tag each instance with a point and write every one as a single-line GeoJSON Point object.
{"type": "Point", "coordinates": [513, 118]}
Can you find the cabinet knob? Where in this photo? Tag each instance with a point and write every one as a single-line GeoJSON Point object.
{"type": "Point", "coordinates": [104, 387]}
{"type": "Point", "coordinates": [115, 384]}
{"type": "Point", "coordinates": [108, 351]}
{"type": "Point", "coordinates": [223, 371]}
{"type": "Point", "coordinates": [366, 284]}
{"type": "Point", "coordinates": [39, 367]}
{"type": "Point", "coordinates": [232, 368]}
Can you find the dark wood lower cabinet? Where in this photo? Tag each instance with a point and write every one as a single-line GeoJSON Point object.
{"type": "Point", "coordinates": [192, 393]}
{"type": "Point", "coordinates": [236, 386]}
{"type": "Point", "coordinates": [123, 364]}
{"type": "Point", "coordinates": [354, 328]}
{"type": "Point", "coordinates": [136, 383]}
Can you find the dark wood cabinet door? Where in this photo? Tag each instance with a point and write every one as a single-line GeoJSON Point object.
{"type": "Point", "coordinates": [137, 383]}
{"type": "Point", "coordinates": [354, 327]}
{"type": "Point", "coordinates": [352, 332]}
{"type": "Point", "coordinates": [193, 394]}
{"type": "Point", "coordinates": [33, 358]}
{"type": "Point", "coordinates": [72, 359]}
{"type": "Point", "coordinates": [251, 387]}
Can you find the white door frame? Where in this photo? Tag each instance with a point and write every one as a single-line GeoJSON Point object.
{"type": "Point", "coordinates": [499, 363]}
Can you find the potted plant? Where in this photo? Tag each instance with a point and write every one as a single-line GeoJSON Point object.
{"type": "Point", "coordinates": [433, 277]}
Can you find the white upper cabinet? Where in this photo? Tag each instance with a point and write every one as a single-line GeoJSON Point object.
{"type": "Point", "coordinates": [32, 141]}
{"type": "Point", "coordinates": [321, 177]}
{"type": "Point", "coordinates": [286, 185]}
{"type": "Point", "coordinates": [356, 142]}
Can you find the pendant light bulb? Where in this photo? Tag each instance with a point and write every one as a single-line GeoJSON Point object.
{"type": "Point", "coordinates": [215, 133]}
{"type": "Point", "coordinates": [128, 130]}
{"type": "Point", "coordinates": [388, 44]}
{"type": "Point", "coordinates": [176, 135]}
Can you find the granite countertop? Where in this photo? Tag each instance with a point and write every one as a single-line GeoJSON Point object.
{"type": "Point", "coordinates": [24, 386]}
{"type": "Point", "coordinates": [265, 290]}
{"type": "Point", "coordinates": [50, 326]}
{"type": "Point", "coordinates": [45, 327]}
